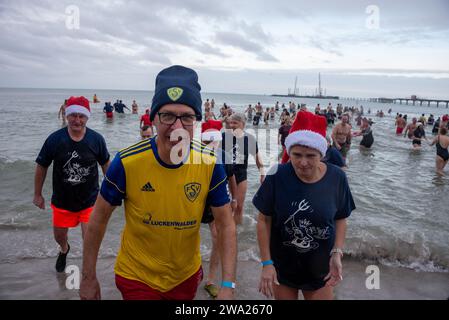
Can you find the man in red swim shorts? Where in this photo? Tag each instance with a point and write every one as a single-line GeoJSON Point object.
{"type": "Point", "coordinates": [75, 151]}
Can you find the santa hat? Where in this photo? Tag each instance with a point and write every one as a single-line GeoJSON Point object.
{"type": "Point", "coordinates": [77, 105]}
{"type": "Point", "coordinates": [210, 130]}
{"type": "Point", "coordinates": [308, 130]}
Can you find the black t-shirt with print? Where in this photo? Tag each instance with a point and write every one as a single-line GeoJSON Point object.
{"type": "Point", "coordinates": [75, 170]}
{"type": "Point", "coordinates": [303, 222]}
{"type": "Point", "coordinates": [239, 148]}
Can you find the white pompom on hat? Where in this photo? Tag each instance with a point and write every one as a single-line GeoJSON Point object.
{"type": "Point", "coordinates": [77, 105]}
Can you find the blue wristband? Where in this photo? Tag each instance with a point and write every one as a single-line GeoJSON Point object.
{"type": "Point", "coordinates": [267, 263]}
{"type": "Point", "coordinates": [228, 284]}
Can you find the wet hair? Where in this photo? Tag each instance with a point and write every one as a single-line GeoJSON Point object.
{"type": "Point", "coordinates": [443, 130]}
{"type": "Point", "coordinates": [238, 117]}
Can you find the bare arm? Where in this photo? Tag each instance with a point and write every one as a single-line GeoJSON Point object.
{"type": "Point", "coordinates": [39, 178]}
{"type": "Point", "coordinates": [227, 244]}
{"type": "Point", "coordinates": [263, 236]}
{"type": "Point", "coordinates": [90, 288]}
{"type": "Point", "coordinates": [268, 277]}
{"type": "Point", "coordinates": [334, 137]}
{"type": "Point", "coordinates": [233, 191]}
{"type": "Point", "coordinates": [335, 274]}
{"type": "Point", "coordinates": [340, 233]}
{"type": "Point", "coordinates": [433, 141]}
{"type": "Point", "coordinates": [259, 164]}
{"type": "Point", "coordinates": [349, 136]}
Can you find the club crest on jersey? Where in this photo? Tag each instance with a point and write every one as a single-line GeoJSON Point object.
{"type": "Point", "coordinates": [192, 190]}
{"type": "Point", "coordinates": [147, 218]}
{"type": "Point", "coordinates": [174, 93]}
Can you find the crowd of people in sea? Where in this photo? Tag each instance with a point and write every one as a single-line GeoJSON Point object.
{"type": "Point", "coordinates": [339, 140]}
{"type": "Point", "coordinates": [300, 229]}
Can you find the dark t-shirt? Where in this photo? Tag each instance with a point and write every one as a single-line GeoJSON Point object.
{"type": "Point", "coordinates": [283, 131]}
{"type": "Point", "coordinates": [303, 222]}
{"type": "Point", "coordinates": [108, 108]}
{"type": "Point", "coordinates": [333, 156]}
{"type": "Point", "coordinates": [239, 148]}
{"type": "Point", "coordinates": [75, 170]}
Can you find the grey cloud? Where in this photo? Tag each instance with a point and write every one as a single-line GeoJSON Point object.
{"type": "Point", "coordinates": [255, 32]}
{"type": "Point", "coordinates": [208, 49]}
{"type": "Point", "coordinates": [237, 40]}
{"type": "Point", "coordinates": [325, 45]}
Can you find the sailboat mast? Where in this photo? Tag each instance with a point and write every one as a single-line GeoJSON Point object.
{"type": "Point", "coordinates": [319, 84]}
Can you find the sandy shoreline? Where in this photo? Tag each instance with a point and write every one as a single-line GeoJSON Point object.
{"type": "Point", "coordinates": [37, 279]}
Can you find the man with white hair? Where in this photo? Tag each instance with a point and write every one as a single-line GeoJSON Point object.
{"type": "Point", "coordinates": [75, 151]}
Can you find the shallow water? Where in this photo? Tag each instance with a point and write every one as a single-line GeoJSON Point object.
{"type": "Point", "coordinates": [402, 215]}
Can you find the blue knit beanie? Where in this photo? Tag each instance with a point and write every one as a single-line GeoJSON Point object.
{"type": "Point", "coordinates": [177, 84]}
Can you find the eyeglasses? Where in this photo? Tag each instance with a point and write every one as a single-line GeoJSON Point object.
{"type": "Point", "coordinates": [170, 118]}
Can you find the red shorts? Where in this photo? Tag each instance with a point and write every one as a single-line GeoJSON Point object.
{"type": "Point", "coordinates": [399, 130]}
{"type": "Point", "coordinates": [136, 290]}
{"type": "Point", "coordinates": [109, 114]}
{"type": "Point", "coordinates": [68, 219]}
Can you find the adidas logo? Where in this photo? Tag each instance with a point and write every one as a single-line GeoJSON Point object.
{"type": "Point", "coordinates": [148, 188]}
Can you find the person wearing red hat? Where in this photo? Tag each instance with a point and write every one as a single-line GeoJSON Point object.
{"type": "Point", "coordinates": [211, 136]}
{"type": "Point", "coordinates": [303, 205]}
{"type": "Point", "coordinates": [75, 151]}
{"type": "Point", "coordinates": [210, 125]}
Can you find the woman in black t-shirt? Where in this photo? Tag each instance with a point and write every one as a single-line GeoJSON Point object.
{"type": "Point", "coordinates": [240, 145]}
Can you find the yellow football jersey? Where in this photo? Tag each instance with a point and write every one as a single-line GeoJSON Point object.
{"type": "Point", "coordinates": [160, 243]}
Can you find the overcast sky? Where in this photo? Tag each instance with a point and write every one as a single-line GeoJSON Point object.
{"type": "Point", "coordinates": [362, 48]}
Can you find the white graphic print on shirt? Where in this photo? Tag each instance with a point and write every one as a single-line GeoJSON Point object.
{"type": "Point", "coordinates": [302, 231]}
{"type": "Point", "coordinates": [75, 173]}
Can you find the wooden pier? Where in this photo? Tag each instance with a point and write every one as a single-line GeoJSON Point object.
{"type": "Point", "coordinates": [415, 101]}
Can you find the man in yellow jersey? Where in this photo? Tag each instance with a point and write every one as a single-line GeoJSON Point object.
{"type": "Point", "coordinates": [165, 190]}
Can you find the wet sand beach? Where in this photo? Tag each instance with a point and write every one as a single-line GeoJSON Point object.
{"type": "Point", "coordinates": [36, 279]}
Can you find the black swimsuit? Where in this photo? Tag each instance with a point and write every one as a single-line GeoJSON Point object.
{"type": "Point", "coordinates": [368, 139]}
{"type": "Point", "coordinates": [443, 153]}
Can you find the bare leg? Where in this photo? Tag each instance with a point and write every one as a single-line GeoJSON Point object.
{"type": "Point", "coordinates": [282, 292]}
{"type": "Point", "coordinates": [83, 229]}
{"type": "Point", "coordinates": [60, 235]}
{"type": "Point", "coordinates": [440, 164]}
{"type": "Point", "coordinates": [325, 293]}
{"type": "Point", "coordinates": [240, 197]}
{"type": "Point", "coordinates": [214, 255]}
